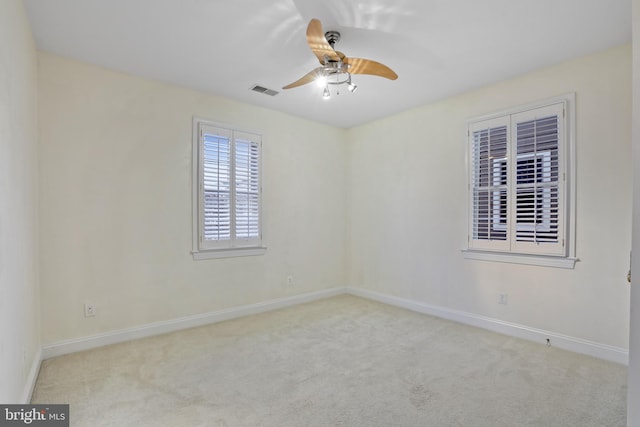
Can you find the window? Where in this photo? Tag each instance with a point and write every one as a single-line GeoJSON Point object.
{"type": "Point", "coordinates": [227, 191]}
{"type": "Point", "coordinates": [519, 185]}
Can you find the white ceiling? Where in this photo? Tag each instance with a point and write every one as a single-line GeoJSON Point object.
{"type": "Point", "coordinates": [438, 47]}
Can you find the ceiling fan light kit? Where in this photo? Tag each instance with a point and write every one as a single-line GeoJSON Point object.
{"type": "Point", "coordinates": [336, 68]}
{"type": "Point", "coordinates": [334, 73]}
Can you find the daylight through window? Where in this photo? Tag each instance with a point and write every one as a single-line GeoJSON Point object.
{"type": "Point", "coordinates": [518, 182]}
{"type": "Point", "coordinates": [228, 188]}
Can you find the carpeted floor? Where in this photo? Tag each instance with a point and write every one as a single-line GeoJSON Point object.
{"type": "Point", "coordinates": [342, 361]}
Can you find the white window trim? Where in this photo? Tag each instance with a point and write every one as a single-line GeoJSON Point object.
{"type": "Point", "coordinates": [227, 253]}
{"type": "Point", "coordinates": [197, 252]}
{"type": "Point", "coordinates": [512, 258]}
{"type": "Point", "coordinates": [569, 259]}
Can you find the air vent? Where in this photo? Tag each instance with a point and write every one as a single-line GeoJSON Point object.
{"type": "Point", "coordinates": [262, 89]}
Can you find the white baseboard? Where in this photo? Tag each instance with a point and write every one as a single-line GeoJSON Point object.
{"type": "Point", "coordinates": [577, 345]}
{"type": "Point", "coordinates": [31, 379]}
{"type": "Point", "coordinates": [86, 343]}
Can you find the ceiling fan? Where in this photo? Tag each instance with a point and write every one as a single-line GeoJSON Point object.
{"type": "Point", "coordinates": [336, 68]}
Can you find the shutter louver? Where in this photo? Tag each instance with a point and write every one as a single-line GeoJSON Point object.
{"type": "Point", "coordinates": [216, 187]}
{"type": "Point", "coordinates": [489, 148]}
{"type": "Point", "coordinates": [537, 181]}
{"type": "Point", "coordinates": [247, 190]}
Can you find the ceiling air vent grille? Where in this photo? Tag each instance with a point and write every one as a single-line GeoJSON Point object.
{"type": "Point", "coordinates": [262, 89]}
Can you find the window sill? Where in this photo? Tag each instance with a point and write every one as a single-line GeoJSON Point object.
{"type": "Point", "coordinates": [228, 253]}
{"type": "Point", "coordinates": [540, 260]}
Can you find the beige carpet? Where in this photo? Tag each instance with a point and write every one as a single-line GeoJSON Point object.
{"type": "Point", "coordinates": [342, 361]}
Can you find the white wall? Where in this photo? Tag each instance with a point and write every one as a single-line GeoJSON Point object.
{"type": "Point", "coordinates": [407, 211]}
{"type": "Point", "coordinates": [19, 302]}
{"type": "Point", "coordinates": [633, 409]}
{"type": "Point", "coordinates": [115, 205]}
{"type": "Point", "coordinates": [116, 213]}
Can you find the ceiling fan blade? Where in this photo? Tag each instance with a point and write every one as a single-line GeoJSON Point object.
{"type": "Point", "coordinates": [318, 43]}
{"type": "Point", "coordinates": [367, 66]}
{"type": "Point", "coordinates": [307, 78]}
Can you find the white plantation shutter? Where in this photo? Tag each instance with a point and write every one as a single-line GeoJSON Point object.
{"type": "Point", "coordinates": [517, 182]}
{"type": "Point", "coordinates": [538, 181]}
{"type": "Point", "coordinates": [489, 150]}
{"type": "Point", "coordinates": [247, 188]}
{"type": "Point", "coordinates": [216, 186]}
{"type": "Point", "coordinates": [229, 188]}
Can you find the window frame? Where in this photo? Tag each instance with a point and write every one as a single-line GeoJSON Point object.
{"type": "Point", "coordinates": [233, 247]}
{"type": "Point", "coordinates": [508, 252]}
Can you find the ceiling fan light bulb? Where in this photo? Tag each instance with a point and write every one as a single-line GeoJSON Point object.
{"type": "Point", "coordinates": [321, 81]}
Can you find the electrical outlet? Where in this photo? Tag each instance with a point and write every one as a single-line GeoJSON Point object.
{"type": "Point", "coordinates": [503, 298]}
{"type": "Point", "coordinates": [289, 280]}
{"type": "Point", "coordinates": [89, 310]}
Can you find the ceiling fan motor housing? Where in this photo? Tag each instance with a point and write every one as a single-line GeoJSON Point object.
{"type": "Point", "coordinates": [332, 37]}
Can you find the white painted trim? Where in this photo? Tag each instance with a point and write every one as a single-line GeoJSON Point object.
{"type": "Point", "coordinates": [228, 253]}
{"type": "Point", "coordinates": [86, 343]}
{"type": "Point", "coordinates": [223, 252]}
{"type": "Point", "coordinates": [540, 260]}
{"type": "Point", "coordinates": [577, 345]}
{"type": "Point", "coordinates": [30, 384]}
{"type": "Point", "coordinates": [569, 153]}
